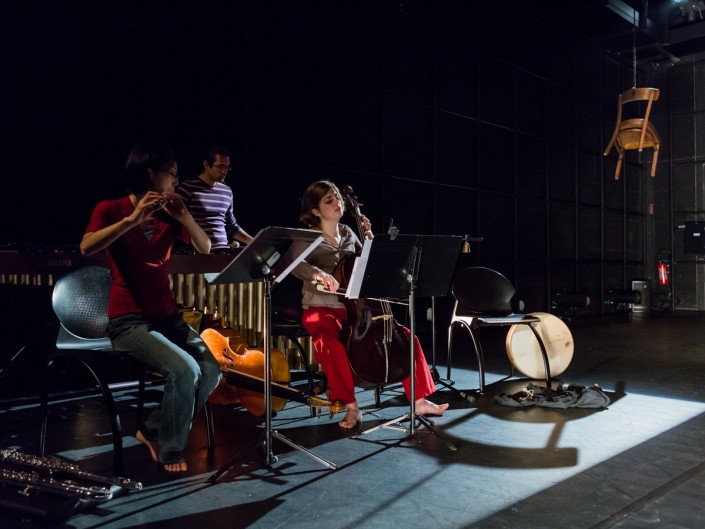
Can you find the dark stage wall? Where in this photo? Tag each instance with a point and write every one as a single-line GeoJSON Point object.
{"type": "Point", "coordinates": [442, 117]}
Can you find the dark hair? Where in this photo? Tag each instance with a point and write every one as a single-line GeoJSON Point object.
{"type": "Point", "coordinates": [312, 197]}
{"type": "Point", "coordinates": [142, 157]}
{"type": "Point", "coordinates": [214, 151]}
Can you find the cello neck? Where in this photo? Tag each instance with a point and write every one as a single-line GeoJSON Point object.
{"type": "Point", "coordinates": [354, 206]}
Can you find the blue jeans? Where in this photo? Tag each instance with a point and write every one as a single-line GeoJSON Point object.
{"type": "Point", "coordinates": [171, 347]}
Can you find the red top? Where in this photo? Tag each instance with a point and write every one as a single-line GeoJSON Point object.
{"type": "Point", "coordinates": [138, 264]}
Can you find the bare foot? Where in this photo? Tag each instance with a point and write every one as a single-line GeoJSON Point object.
{"type": "Point", "coordinates": [353, 416]}
{"type": "Point", "coordinates": [152, 446]}
{"type": "Point", "coordinates": [179, 466]}
{"type": "Point", "coordinates": [426, 407]}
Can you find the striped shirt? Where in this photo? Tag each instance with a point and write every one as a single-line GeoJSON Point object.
{"type": "Point", "coordinates": [212, 209]}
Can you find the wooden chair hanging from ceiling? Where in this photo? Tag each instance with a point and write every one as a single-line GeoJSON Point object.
{"type": "Point", "coordinates": [635, 133]}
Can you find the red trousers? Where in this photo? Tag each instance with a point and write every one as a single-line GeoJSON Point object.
{"type": "Point", "coordinates": [325, 324]}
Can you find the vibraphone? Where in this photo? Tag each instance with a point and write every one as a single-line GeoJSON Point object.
{"type": "Point", "coordinates": [236, 306]}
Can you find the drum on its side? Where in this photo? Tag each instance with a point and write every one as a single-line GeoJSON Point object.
{"type": "Point", "coordinates": [524, 351]}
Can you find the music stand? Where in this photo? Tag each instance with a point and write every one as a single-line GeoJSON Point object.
{"type": "Point", "coordinates": [448, 384]}
{"type": "Point", "coordinates": [421, 266]}
{"type": "Point", "coordinates": [271, 255]}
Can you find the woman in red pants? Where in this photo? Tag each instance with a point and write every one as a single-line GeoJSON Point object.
{"type": "Point", "coordinates": [324, 313]}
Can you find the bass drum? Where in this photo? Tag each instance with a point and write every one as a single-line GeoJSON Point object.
{"type": "Point", "coordinates": [524, 351]}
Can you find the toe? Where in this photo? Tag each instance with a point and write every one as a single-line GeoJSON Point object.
{"type": "Point", "coordinates": [152, 448]}
{"type": "Point", "coordinates": [352, 418]}
{"type": "Point", "coordinates": [179, 466]}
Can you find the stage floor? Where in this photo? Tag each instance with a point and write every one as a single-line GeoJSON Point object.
{"type": "Point", "coordinates": [638, 463]}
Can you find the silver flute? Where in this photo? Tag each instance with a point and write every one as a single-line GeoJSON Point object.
{"type": "Point", "coordinates": [54, 466]}
{"type": "Point", "coordinates": [33, 481]}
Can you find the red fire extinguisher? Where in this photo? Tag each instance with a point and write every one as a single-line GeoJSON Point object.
{"type": "Point", "coordinates": [662, 269]}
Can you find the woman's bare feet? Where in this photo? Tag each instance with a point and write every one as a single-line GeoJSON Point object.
{"type": "Point", "coordinates": [426, 407]}
{"type": "Point", "coordinates": [353, 416]}
{"type": "Point", "coordinates": [152, 446]}
{"type": "Point", "coordinates": [179, 466]}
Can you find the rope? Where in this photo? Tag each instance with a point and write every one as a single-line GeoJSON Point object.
{"type": "Point", "coordinates": [634, 46]}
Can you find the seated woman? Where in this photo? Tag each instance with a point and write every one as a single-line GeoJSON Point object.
{"type": "Point", "coordinates": [137, 233]}
{"type": "Point", "coordinates": [324, 314]}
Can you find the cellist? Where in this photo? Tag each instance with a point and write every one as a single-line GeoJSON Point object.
{"type": "Point", "coordinates": [324, 314]}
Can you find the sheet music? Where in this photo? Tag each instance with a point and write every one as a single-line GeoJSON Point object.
{"type": "Point", "coordinates": [273, 252]}
{"type": "Point", "coordinates": [298, 259]}
{"type": "Point", "coordinates": [358, 272]}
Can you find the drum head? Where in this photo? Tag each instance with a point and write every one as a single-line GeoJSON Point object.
{"type": "Point", "coordinates": [525, 354]}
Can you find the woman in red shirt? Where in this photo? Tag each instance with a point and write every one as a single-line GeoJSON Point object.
{"type": "Point", "coordinates": [137, 233]}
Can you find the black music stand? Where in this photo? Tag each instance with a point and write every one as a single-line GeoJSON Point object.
{"type": "Point", "coordinates": [448, 384]}
{"type": "Point", "coordinates": [271, 255]}
{"type": "Point", "coordinates": [421, 266]}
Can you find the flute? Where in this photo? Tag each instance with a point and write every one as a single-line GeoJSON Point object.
{"type": "Point", "coordinates": [56, 466]}
{"type": "Point", "coordinates": [32, 480]}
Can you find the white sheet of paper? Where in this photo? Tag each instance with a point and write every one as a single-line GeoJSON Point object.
{"type": "Point", "coordinates": [358, 272]}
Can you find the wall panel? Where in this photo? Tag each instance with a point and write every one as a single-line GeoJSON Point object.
{"type": "Point", "coordinates": [455, 152]}
{"type": "Point", "coordinates": [496, 225]}
{"type": "Point", "coordinates": [456, 211]}
{"type": "Point", "coordinates": [614, 236]}
{"type": "Point", "coordinates": [532, 222]}
{"type": "Point", "coordinates": [589, 233]}
{"type": "Point", "coordinates": [531, 166]}
{"type": "Point", "coordinates": [439, 121]}
{"type": "Point", "coordinates": [561, 172]}
{"type": "Point", "coordinates": [495, 153]}
{"type": "Point", "coordinates": [408, 140]}
{"type": "Point", "coordinates": [562, 225]}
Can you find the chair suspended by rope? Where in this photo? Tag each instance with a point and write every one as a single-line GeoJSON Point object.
{"type": "Point", "coordinates": [635, 133]}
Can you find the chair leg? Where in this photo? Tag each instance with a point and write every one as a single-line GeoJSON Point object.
{"type": "Point", "coordinates": [210, 427]}
{"type": "Point", "coordinates": [480, 357]}
{"type": "Point", "coordinates": [109, 402]}
{"type": "Point", "coordinates": [653, 162]}
{"type": "Point", "coordinates": [307, 368]}
{"type": "Point", "coordinates": [302, 355]}
{"type": "Point", "coordinates": [141, 384]}
{"type": "Point", "coordinates": [44, 410]}
{"type": "Point", "coordinates": [478, 351]}
{"type": "Point", "coordinates": [450, 348]}
{"type": "Point", "coordinates": [619, 165]}
{"type": "Point", "coordinates": [546, 366]}
{"type": "Point", "coordinates": [114, 419]}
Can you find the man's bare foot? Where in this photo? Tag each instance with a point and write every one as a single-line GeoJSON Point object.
{"type": "Point", "coordinates": [179, 466]}
{"type": "Point", "coordinates": [152, 446]}
{"type": "Point", "coordinates": [426, 407]}
{"type": "Point", "coordinates": [353, 416]}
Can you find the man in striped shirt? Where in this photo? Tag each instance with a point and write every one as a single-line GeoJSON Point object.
{"type": "Point", "coordinates": [210, 201]}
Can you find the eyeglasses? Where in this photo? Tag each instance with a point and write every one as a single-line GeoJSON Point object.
{"type": "Point", "coordinates": [222, 167]}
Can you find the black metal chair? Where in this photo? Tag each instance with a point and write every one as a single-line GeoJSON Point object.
{"type": "Point", "coordinates": [80, 302]}
{"type": "Point", "coordinates": [286, 321]}
{"type": "Point", "coordinates": [484, 298]}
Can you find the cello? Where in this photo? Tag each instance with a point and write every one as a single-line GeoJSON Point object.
{"type": "Point", "coordinates": [243, 370]}
{"type": "Point", "coordinates": [233, 354]}
{"type": "Point", "coordinates": [377, 346]}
